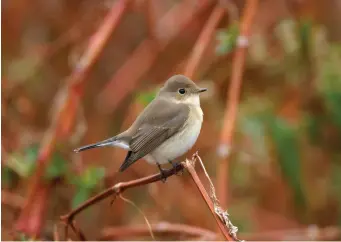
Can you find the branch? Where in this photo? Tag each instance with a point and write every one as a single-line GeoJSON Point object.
{"type": "Point", "coordinates": [231, 108]}
{"type": "Point", "coordinates": [117, 190]}
{"type": "Point", "coordinates": [220, 216]}
{"type": "Point", "coordinates": [161, 229]}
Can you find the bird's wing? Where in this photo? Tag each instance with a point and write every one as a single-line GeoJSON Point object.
{"type": "Point", "coordinates": [155, 129]}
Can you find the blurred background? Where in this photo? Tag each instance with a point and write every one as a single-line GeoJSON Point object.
{"type": "Point", "coordinates": [76, 72]}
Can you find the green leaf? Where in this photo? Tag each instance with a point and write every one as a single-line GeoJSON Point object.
{"type": "Point", "coordinates": [285, 137]}
{"type": "Point", "coordinates": [86, 183]}
{"type": "Point", "coordinates": [81, 196]}
{"type": "Point", "coordinates": [57, 167]}
{"type": "Point", "coordinates": [252, 126]}
{"type": "Point", "coordinates": [329, 72]}
{"type": "Point", "coordinates": [335, 181]}
{"type": "Point", "coordinates": [227, 39]}
{"type": "Point", "coordinates": [21, 165]}
{"type": "Point", "coordinates": [333, 103]}
{"type": "Point", "coordinates": [305, 37]}
{"type": "Point", "coordinates": [92, 177]}
{"type": "Point", "coordinates": [146, 97]}
{"type": "Point", "coordinates": [8, 176]}
{"type": "Point", "coordinates": [25, 164]}
{"type": "Point", "coordinates": [329, 84]}
{"type": "Point", "coordinates": [314, 125]}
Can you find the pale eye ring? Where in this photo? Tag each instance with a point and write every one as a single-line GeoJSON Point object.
{"type": "Point", "coordinates": [182, 91]}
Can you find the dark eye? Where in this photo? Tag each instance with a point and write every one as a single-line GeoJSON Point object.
{"type": "Point", "coordinates": [182, 91]}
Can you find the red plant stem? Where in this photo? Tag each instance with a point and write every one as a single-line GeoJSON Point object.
{"type": "Point", "coordinates": [163, 228]}
{"type": "Point", "coordinates": [145, 55]}
{"type": "Point", "coordinates": [232, 101]}
{"type": "Point", "coordinates": [203, 41]}
{"type": "Point", "coordinates": [119, 188]}
{"type": "Point", "coordinates": [207, 199]}
{"type": "Point", "coordinates": [37, 211]}
{"type": "Point", "coordinates": [61, 127]}
{"type": "Point", "coordinates": [116, 190]}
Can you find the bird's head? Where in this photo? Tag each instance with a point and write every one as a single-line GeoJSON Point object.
{"type": "Point", "coordinates": [181, 89]}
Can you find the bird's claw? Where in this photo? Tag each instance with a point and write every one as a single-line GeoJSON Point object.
{"type": "Point", "coordinates": [163, 176]}
{"type": "Point", "coordinates": [162, 172]}
{"type": "Point", "coordinates": [178, 173]}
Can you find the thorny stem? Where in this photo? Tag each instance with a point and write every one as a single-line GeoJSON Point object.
{"type": "Point", "coordinates": [232, 101]}
{"type": "Point", "coordinates": [221, 219]}
{"type": "Point", "coordinates": [116, 190]}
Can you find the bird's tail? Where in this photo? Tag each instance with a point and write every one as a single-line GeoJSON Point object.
{"type": "Point", "coordinates": [103, 143]}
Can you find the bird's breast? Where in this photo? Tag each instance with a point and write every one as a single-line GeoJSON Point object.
{"type": "Point", "coordinates": [183, 140]}
{"type": "Point", "coordinates": [191, 129]}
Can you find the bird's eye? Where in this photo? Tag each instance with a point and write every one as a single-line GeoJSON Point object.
{"type": "Point", "coordinates": [182, 91]}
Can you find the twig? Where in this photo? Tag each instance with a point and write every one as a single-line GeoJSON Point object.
{"type": "Point", "coordinates": [230, 113]}
{"type": "Point", "coordinates": [141, 212]}
{"type": "Point", "coordinates": [77, 231]}
{"type": "Point", "coordinates": [204, 40]}
{"type": "Point", "coordinates": [65, 117]}
{"type": "Point", "coordinates": [220, 216]}
{"type": "Point", "coordinates": [160, 229]}
{"type": "Point", "coordinates": [116, 190]}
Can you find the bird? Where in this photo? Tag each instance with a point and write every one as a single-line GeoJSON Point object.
{"type": "Point", "coordinates": [166, 129]}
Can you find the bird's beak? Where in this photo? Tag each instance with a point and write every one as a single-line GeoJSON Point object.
{"type": "Point", "coordinates": [202, 90]}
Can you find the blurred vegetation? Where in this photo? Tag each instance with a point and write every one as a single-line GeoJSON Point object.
{"type": "Point", "coordinates": [286, 166]}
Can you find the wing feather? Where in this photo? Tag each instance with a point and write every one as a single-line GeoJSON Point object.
{"type": "Point", "coordinates": [155, 129]}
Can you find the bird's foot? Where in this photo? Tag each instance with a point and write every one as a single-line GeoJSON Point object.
{"type": "Point", "coordinates": [163, 176]}
{"type": "Point", "coordinates": [174, 168]}
{"type": "Point", "coordinates": [162, 172]}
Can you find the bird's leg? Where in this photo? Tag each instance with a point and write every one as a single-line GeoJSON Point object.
{"type": "Point", "coordinates": [163, 176]}
{"type": "Point", "coordinates": [174, 168]}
